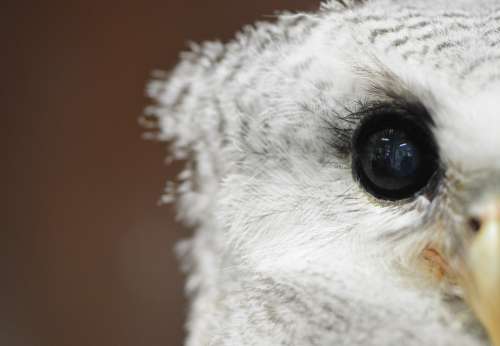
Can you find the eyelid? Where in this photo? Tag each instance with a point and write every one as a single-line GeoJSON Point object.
{"type": "Point", "coordinates": [345, 127]}
{"type": "Point", "coordinates": [384, 115]}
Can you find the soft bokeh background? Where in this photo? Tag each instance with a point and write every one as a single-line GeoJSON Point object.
{"type": "Point", "coordinates": [86, 252]}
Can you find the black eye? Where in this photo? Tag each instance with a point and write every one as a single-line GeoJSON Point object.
{"type": "Point", "coordinates": [394, 157]}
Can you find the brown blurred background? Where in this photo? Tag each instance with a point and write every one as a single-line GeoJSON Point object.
{"type": "Point", "coordinates": [86, 252]}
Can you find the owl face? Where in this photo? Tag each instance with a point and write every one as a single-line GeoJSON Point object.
{"type": "Point", "coordinates": [344, 179]}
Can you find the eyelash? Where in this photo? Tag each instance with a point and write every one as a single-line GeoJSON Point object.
{"type": "Point", "coordinates": [343, 126]}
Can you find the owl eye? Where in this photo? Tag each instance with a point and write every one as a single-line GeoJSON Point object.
{"type": "Point", "coordinates": [394, 157]}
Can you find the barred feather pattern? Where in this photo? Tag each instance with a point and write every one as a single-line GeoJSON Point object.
{"type": "Point", "coordinates": [287, 248]}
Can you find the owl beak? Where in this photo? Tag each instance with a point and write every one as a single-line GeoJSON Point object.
{"type": "Point", "coordinates": [482, 284]}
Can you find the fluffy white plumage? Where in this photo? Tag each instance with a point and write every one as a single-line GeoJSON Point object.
{"type": "Point", "coordinates": [288, 248]}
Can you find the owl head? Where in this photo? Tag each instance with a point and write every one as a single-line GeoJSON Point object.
{"type": "Point", "coordinates": [342, 176]}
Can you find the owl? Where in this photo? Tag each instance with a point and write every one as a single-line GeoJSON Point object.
{"type": "Point", "coordinates": [342, 176]}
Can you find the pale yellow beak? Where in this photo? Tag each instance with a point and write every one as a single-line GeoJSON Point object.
{"type": "Point", "coordinates": [483, 283]}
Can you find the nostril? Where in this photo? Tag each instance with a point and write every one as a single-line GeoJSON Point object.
{"type": "Point", "coordinates": [475, 224]}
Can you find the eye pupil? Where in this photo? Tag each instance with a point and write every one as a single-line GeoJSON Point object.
{"type": "Point", "coordinates": [393, 160]}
